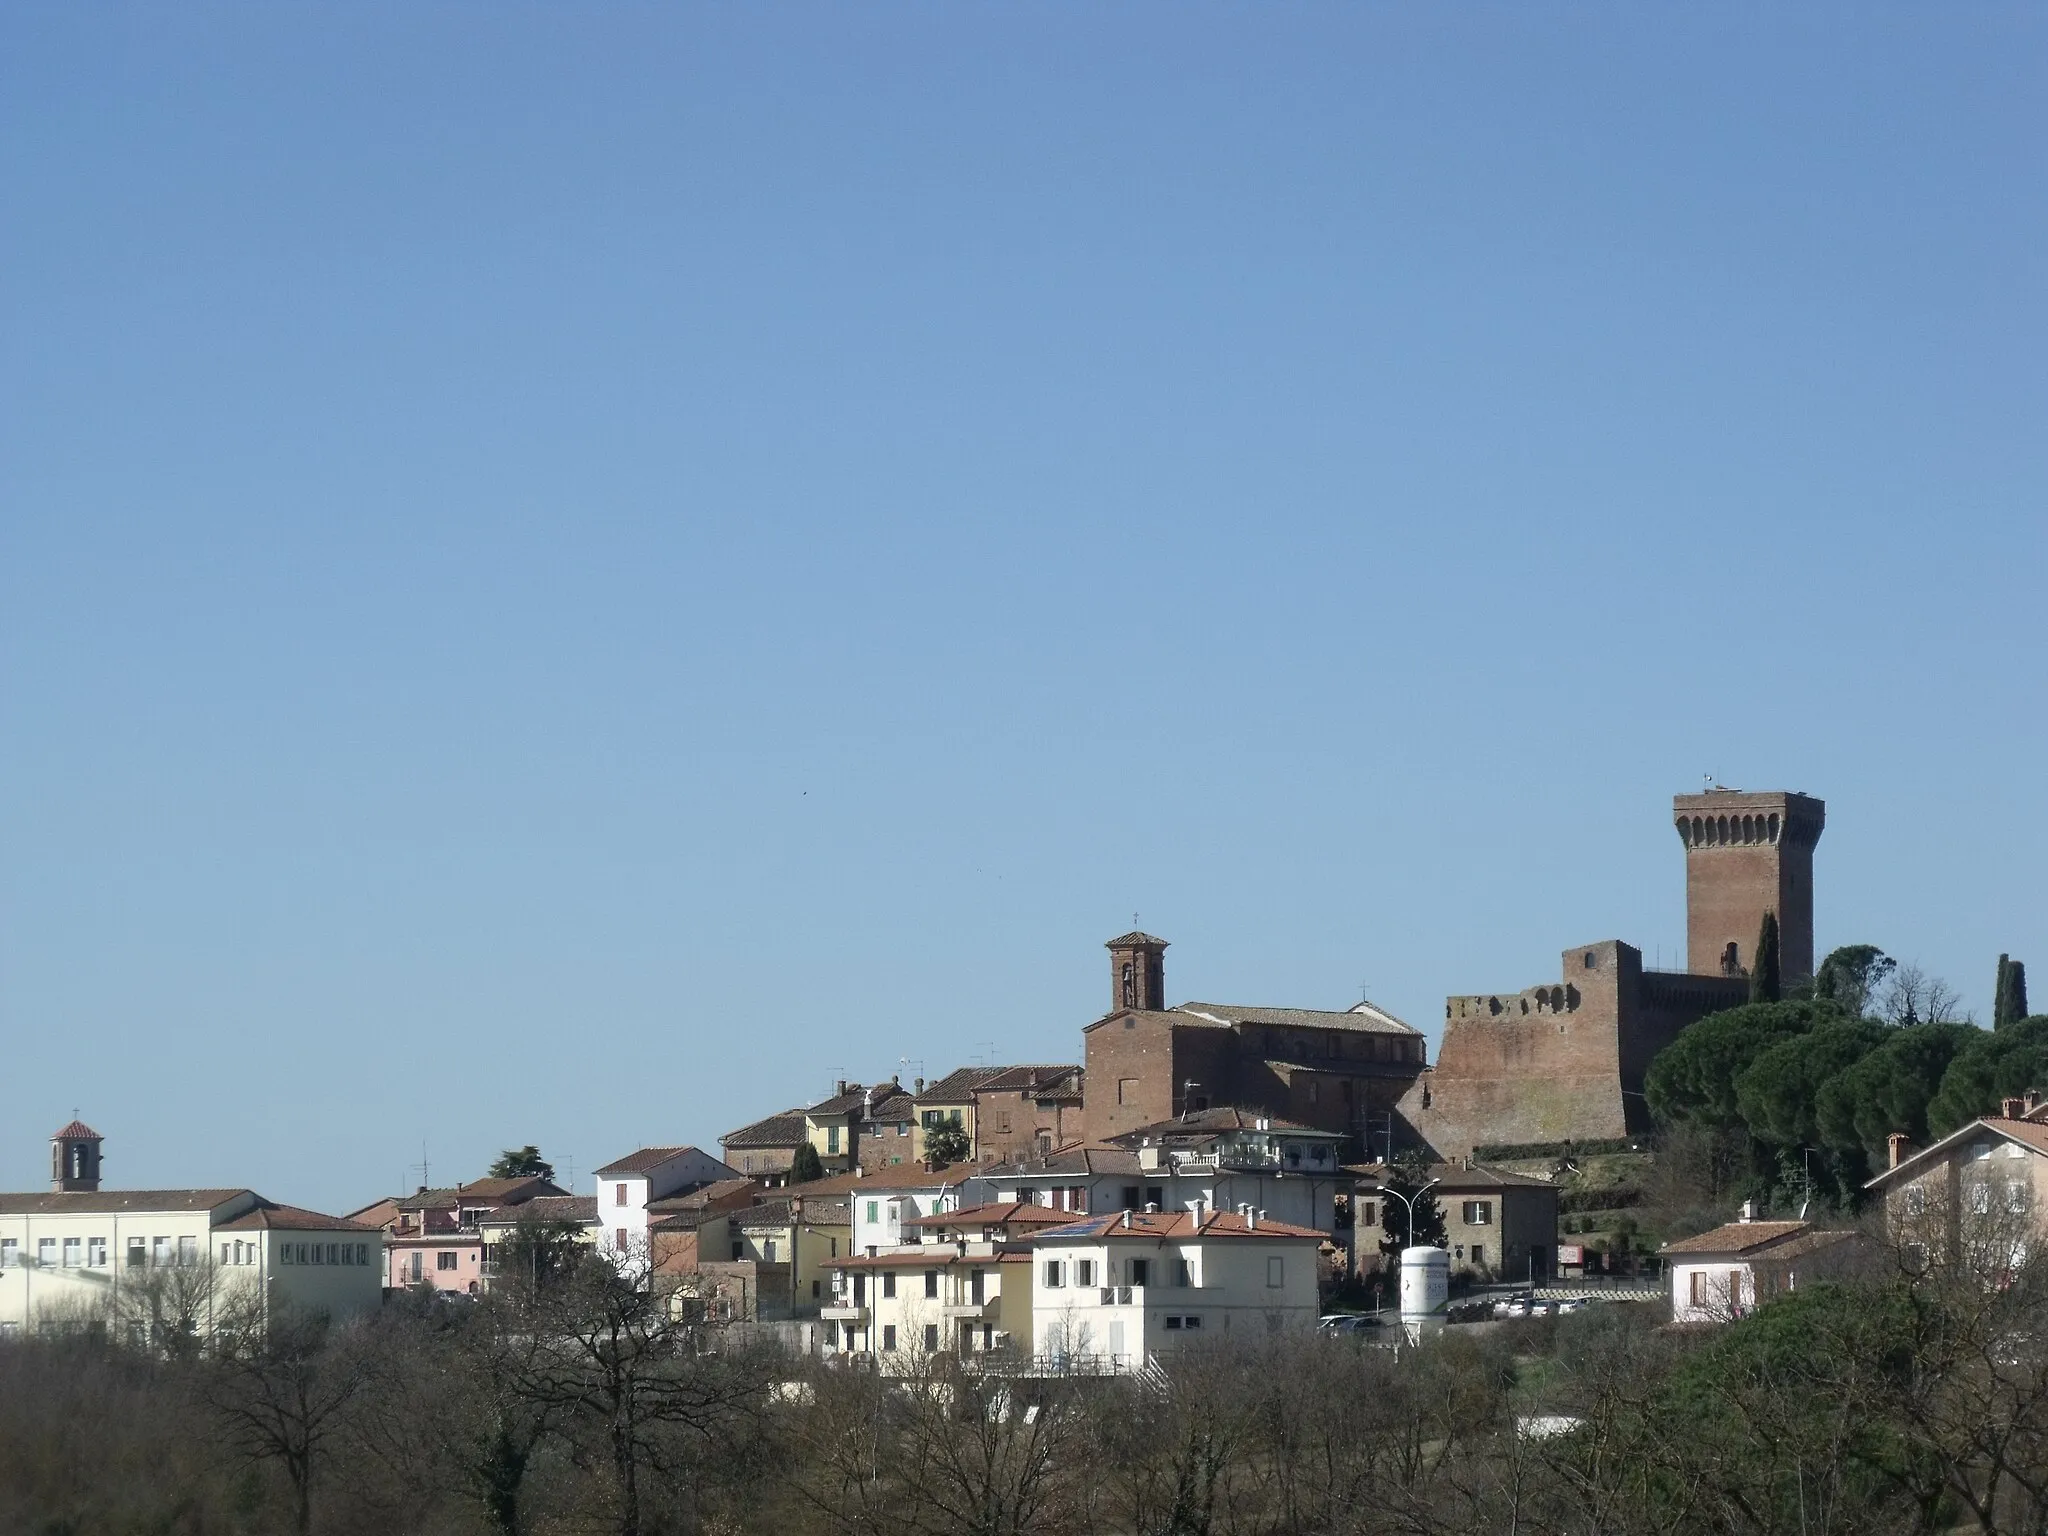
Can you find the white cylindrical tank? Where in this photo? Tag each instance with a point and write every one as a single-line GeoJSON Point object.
{"type": "Point", "coordinates": [1425, 1282]}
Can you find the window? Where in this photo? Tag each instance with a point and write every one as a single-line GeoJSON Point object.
{"type": "Point", "coordinates": [874, 1129]}
{"type": "Point", "coordinates": [618, 1194]}
{"type": "Point", "coordinates": [1192, 1320]}
{"type": "Point", "coordinates": [160, 1251]}
{"type": "Point", "coordinates": [889, 1336]}
{"type": "Point", "coordinates": [768, 1251]}
{"type": "Point", "coordinates": [903, 1128]}
{"type": "Point", "coordinates": [188, 1250]}
{"type": "Point", "coordinates": [444, 1259]}
{"type": "Point", "coordinates": [2016, 1194]}
{"type": "Point", "coordinates": [417, 1276]}
{"type": "Point", "coordinates": [1183, 1274]}
{"type": "Point", "coordinates": [931, 1285]}
{"type": "Point", "coordinates": [618, 1237]}
{"type": "Point", "coordinates": [1276, 1272]}
{"type": "Point", "coordinates": [1141, 1271]}
{"type": "Point", "coordinates": [10, 1253]}
{"type": "Point", "coordinates": [931, 1335]}
{"type": "Point", "coordinates": [889, 1283]}
{"type": "Point", "coordinates": [817, 1288]}
{"type": "Point", "coordinates": [1172, 1323]}
{"type": "Point", "coordinates": [46, 1252]}
{"type": "Point", "coordinates": [1028, 1197]}
{"type": "Point", "coordinates": [1084, 1272]}
{"type": "Point", "coordinates": [874, 1210]}
{"type": "Point", "coordinates": [1155, 1195]}
{"type": "Point", "coordinates": [1077, 1198]}
{"type": "Point", "coordinates": [1127, 1090]}
{"type": "Point", "coordinates": [224, 1253]}
{"type": "Point", "coordinates": [1916, 1200]}
{"type": "Point", "coordinates": [1372, 1218]}
{"type": "Point", "coordinates": [1478, 1213]}
{"type": "Point", "coordinates": [1132, 1197]}
{"type": "Point", "coordinates": [1479, 1253]}
{"type": "Point", "coordinates": [1699, 1287]}
{"type": "Point", "coordinates": [1980, 1197]}
{"type": "Point", "coordinates": [1055, 1274]}
{"type": "Point", "coordinates": [74, 1252]}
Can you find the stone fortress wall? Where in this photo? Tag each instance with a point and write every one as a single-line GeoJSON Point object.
{"type": "Point", "coordinates": [1565, 1061]}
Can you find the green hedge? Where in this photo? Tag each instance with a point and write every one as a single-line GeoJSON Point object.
{"type": "Point", "coordinates": [1509, 1151]}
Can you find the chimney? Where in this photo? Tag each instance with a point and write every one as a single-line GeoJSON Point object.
{"type": "Point", "coordinates": [1251, 1219]}
{"type": "Point", "coordinates": [920, 1084]}
{"type": "Point", "coordinates": [840, 1093]}
{"type": "Point", "coordinates": [2033, 1101]}
{"type": "Point", "coordinates": [1127, 1221]}
{"type": "Point", "coordinates": [1748, 1211]}
{"type": "Point", "coordinates": [2011, 1109]}
{"type": "Point", "coordinates": [1895, 1145]}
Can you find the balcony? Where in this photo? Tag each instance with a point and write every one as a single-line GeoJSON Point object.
{"type": "Point", "coordinates": [1121, 1295]}
{"type": "Point", "coordinates": [837, 1313]}
{"type": "Point", "coordinates": [955, 1311]}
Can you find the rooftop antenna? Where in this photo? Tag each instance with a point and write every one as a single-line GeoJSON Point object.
{"type": "Point", "coordinates": [571, 1161]}
{"type": "Point", "coordinates": [426, 1179]}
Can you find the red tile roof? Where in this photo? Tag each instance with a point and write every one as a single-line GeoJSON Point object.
{"type": "Point", "coordinates": [997, 1214]}
{"type": "Point", "coordinates": [1175, 1224]}
{"type": "Point", "coordinates": [642, 1160]}
{"type": "Point", "coordinates": [289, 1218]}
{"type": "Point", "coordinates": [77, 1130]}
{"type": "Point", "coordinates": [1737, 1238]}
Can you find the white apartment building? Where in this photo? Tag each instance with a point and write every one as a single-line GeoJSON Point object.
{"type": "Point", "coordinates": [626, 1187]}
{"type": "Point", "coordinates": [960, 1284]}
{"type": "Point", "coordinates": [1113, 1291]}
{"type": "Point", "coordinates": [78, 1255]}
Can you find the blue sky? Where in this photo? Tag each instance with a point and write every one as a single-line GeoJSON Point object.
{"type": "Point", "coordinates": [574, 574]}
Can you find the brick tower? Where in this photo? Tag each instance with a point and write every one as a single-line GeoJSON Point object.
{"type": "Point", "coordinates": [1137, 972]}
{"type": "Point", "coordinates": [1747, 854]}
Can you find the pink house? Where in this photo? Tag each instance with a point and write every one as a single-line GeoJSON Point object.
{"type": "Point", "coordinates": [434, 1237]}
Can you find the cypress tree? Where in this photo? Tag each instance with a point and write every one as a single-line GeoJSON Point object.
{"type": "Point", "coordinates": [2001, 995]}
{"type": "Point", "coordinates": [1764, 984]}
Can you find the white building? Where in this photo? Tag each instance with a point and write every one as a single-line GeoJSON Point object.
{"type": "Point", "coordinates": [143, 1260]}
{"type": "Point", "coordinates": [1111, 1292]}
{"type": "Point", "coordinates": [626, 1187]}
{"type": "Point", "coordinates": [1221, 1159]}
{"type": "Point", "coordinates": [1728, 1272]}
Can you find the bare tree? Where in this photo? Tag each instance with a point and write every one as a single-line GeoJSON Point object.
{"type": "Point", "coordinates": [619, 1364]}
{"type": "Point", "coordinates": [1912, 996]}
{"type": "Point", "coordinates": [280, 1387]}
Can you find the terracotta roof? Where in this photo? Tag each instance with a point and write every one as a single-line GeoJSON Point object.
{"type": "Point", "coordinates": [885, 1181]}
{"type": "Point", "coordinates": [897, 1106]}
{"type": "Point", "coordinates": [932, 1256]}
{"type": "Point", "coordinates": [115, 1201]}
{"type": "Point", "coordinates": [2031, 1134]}
{"type": "Point", "coordinates": [704, 1196]}
{"type": "Point", "coordinates": [1364, 1018]}
{"type": "Point", "coordinates": [581, 1209]}
{"type": "Point", "coordinates": [77, 1130]}
{"type": "Point", "coordinates": [492, 1191]}
{"type": "Point", "coordinates": [780, 1213]}
{"type": "Point", "coordinates": [1210, 1122]}
{"type": "Point", "coordinates": [1135, 939]}
{"type": "Point", "coordinates": [1175, 1224]}
{"type": "Point", "coordinates": [997, 1214]}
{"type": "Point", "coordinates": [1737, 1238]}
{"type": "Point", "coordinates": [377, 1213]}
{"type": "Point", "coordinates": [783, 1130]}
{"type": "Point", "coordinates": [1028, 1079]}
{"type": "Point", "coordinates": [289, 1218]}
{"type": "Point", "coordinates": [957, 1086]}
{"type": "Point", "coordinates": [1084, 1162]}
{"type": "Point", "coordinates": [642, 1160]}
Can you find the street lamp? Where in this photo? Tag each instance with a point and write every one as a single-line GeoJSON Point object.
{"type": "Point", "coordinates": [1409, 1201]}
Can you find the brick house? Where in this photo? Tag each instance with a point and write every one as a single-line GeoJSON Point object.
{"type": "Point", "coordinates": [1029, 1109]}
{"type": "Point", "coordinates": [1340, 1070]}
{"type": "Point", "coordinates": [764, 1150]}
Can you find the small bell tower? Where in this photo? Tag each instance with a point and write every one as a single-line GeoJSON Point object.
{"type": "Point", "coordinates": [75, 1159]}
{"type": "Point", "coordinates": [1137, 972]}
